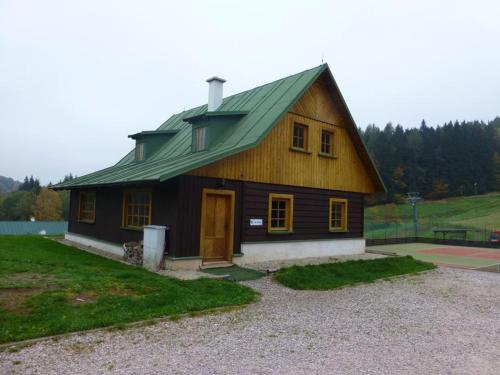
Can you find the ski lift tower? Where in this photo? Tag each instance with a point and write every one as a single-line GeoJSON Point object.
{"type": "Point", "coordinates": [412, 199]}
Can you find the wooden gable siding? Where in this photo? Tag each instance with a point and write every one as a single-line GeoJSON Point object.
{"type": "Point", "coordinates": [317, 104]}
{"type": "Point", "coordinates": [273, 162]}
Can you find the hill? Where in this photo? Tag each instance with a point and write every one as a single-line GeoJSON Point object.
{"type": "Point", "coordinates": [452, 160]}
{"type": "Point", "coordinates": [478, 212]}
{"type": "Point", "coordinates": [8, 184]}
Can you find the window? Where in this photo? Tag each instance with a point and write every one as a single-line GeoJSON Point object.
{"type": "Point", "coordinates": [338, 215]}
{"type": "Point", "coordinates": [136, 208]}
{"type": "Point", "coordinates": [326, 143]}
{"type": "Point", "coordinates": [139, 151]}
{"type": "Point", "coordinates": [280, 215]}
{"type": "Point", "coordinates": [199, 138]}
{"type": "Point", "coordinates": [86, 207]}
{"type": "Point", "coordinates": [299, 140]}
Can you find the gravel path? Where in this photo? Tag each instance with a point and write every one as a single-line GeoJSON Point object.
{"type": "Point", "coordinates": [444, 321]}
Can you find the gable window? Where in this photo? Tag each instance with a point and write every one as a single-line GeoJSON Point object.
{"type": "Point", "coordinates": [338, 215]}
{"type": "Point", "coordinates": [86, 207]}
{"type": "Point", "coordinates": [280, 213]}
{"type": "Point", "coordinates": [139, 151]}
{"type": "Point", "coordinates": [326, 143]}
{"type": "Point", "coordinates": [200, 138]}
{"type": "Point", "coordinates": [136, 208]}
{"type": "Point", "coordinates": [299, 140]}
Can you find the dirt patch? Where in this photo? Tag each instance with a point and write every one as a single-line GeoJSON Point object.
{"type": "Point", "coordinates": [11, 299]}
{"type": "Point", "coordinates": [26, 279]}
{"type": "Point", "coordinates": [21, 286]}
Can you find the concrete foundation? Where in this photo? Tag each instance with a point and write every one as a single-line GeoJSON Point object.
{"type": "Point", "coordinates": [275, 251]}
{"type": "Point", "coordinates": [106, 247]}
{"type": "Point", "coordinates": [252, 252]}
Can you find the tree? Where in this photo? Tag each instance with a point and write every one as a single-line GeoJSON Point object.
{"type": "Point", "coordinates": [439, 189]}
{"type": "Point", "coordinates": [68, 177]}
{"type": "Point", "coordinates": [30, 184]}
{"type": "Point", "coordinates": [497, 170]}
{"type": "Point", "coordinates": [436, 161]}
{"type": "Point", "coordinates": [48, 206]}
{"type": "Point", "coordinates": [17, 205]}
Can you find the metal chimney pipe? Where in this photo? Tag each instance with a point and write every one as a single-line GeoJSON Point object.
{"type": "Point", "coordinates": [215, 93]}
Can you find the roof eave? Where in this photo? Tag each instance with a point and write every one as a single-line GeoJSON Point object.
{"type": "Point", "coordinates": [110, 184]}
{"type": "Point", "coordinates": [203, 116]}
{"type": "Point", "coordinates": [380, 181]}
{"type": "Point", "coordinates": [152, 133]}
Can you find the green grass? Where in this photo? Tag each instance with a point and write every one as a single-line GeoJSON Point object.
{"type": "Point", "coordinates": [335, 275]}
{"type": "Point", "coordinates": [47, 288]}
{"type": "Point", "coordinates": [479, 212]}
{"type": "Point", "coordinates": [236, 273]}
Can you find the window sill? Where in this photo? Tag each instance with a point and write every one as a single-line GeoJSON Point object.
{"type": "Point", "coordinates": [338, 230]}
{"type": "Point", "coordinates": [280, 232]}
{"type": "Point", "coordinates": [86, 221]}
{"type": "Point", "coordinates": [294, 149]}
{"type": "Point", "coordinates": [135, 229]}
{"type": "Point", "coordinates": [328, 156]}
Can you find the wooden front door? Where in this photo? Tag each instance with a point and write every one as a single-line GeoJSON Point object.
{"type": "Point", "coordinates": [217, 225]}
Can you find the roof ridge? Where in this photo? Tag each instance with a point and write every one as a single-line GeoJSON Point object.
{"type": "Point", "coordinates": [245, 91]}
{"type": "Point", "coordinates": [275, 81]}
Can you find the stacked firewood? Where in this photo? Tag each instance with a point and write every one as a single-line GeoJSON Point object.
{"type": "Point", "coordinates": [132, 252]}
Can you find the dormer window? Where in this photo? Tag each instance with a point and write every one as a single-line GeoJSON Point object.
{"type": "Point", "coordinates": [200, 138]}
{"type": "Point", "coordinates": [210, 127]}
{"type": "Point", "coordinates": [148, 142]}
{"type": "Point", "coordinates": [139, 151]}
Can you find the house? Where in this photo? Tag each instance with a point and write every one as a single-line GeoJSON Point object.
{"type": "Point", "coordinates": [275, 172]}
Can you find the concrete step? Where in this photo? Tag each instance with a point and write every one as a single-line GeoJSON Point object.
{"type": "Point", "coordinates": [222, 264]}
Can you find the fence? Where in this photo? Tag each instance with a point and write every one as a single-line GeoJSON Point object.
{"type": "Point", "coordinates": [452, 242]}
{"type": "Point", "coordinates": [382, 230]}
{"type": "Point", "coordinates": [33, 227]}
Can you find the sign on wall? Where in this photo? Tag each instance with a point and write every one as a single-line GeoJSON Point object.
{"type": "Point", "coordinates": [256, 222]}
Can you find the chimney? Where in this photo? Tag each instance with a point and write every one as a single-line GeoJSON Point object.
{"type": "Point", "coordinates": [214, 93]}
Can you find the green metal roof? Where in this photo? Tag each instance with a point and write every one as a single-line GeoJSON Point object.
{"type": "Point", "coordinates": [254, 113]}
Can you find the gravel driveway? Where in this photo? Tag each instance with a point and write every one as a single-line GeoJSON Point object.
{"type": "Point", "coordinates": [443, 321]}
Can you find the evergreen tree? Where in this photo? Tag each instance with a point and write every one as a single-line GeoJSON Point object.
{"type": "Point", "coordinates": [448, 160]}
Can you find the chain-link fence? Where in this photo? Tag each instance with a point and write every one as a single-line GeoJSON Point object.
{"type": "Point", "coordinates": [450, 231]}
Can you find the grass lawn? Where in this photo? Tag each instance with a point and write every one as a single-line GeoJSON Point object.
{"type": "Point", "coordinates": [236, 273]}
{"type": "Point", "coordinates": [335, 275]}
{"type": "Point", "coordinates": [47, 288]}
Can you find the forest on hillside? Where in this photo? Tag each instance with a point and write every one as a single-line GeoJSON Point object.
{"type": "Point", "coordinates": [454, 159]}
{"type": "Point", "coordinates": [30, 200]}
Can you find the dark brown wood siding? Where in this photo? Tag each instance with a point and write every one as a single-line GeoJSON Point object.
{"type": "Point", "coordinates": [177, 204]}
{"type": "Point", "coordinates": [189, 218]}
{"type": "Point", "coordinates": [310, 213]}
{"type": "Point", "coordinates": [108, 215]}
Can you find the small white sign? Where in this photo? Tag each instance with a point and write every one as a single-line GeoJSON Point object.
{"type": "Point", "coordinates": [256, 222]}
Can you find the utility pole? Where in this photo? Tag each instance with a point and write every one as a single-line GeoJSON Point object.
{"type": "Point", "coordinates": [412, 199]}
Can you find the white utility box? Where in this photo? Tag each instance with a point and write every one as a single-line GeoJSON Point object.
{"type": "Point", "coordinates": [154, 245]}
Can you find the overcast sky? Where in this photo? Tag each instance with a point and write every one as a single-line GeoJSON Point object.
{"type": "Point", "coordinates": [77, 77]}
